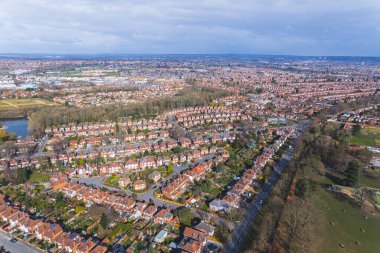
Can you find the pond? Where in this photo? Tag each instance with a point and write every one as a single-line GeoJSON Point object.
{"type": "Point", "coordinates": [17, 126]}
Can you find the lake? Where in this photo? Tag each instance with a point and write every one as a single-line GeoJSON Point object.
{"type": "Point", "coordinates": [17, 126]}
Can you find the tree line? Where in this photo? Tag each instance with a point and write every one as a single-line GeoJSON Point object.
{"type": "Point", "coordinates": [292, 224]}
{"type": "Point", "coordinates": [56, 116]}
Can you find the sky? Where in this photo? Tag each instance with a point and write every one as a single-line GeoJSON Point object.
{"type": "Point", "coordinates": [287, 27]}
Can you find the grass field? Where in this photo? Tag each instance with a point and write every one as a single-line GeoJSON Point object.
{"type": "Point", "coordinates": [369, 181]}
{"type": "Point", "coordinates": [369, 136]}
{"type": "Point", "coordinates": [349, 224]}
{"type": "Point", "coordinates": [373, 130]}
{"type": "Point", "coordinates": [25, 103]}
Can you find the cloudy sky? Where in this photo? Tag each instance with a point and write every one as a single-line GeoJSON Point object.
{"type": "Point", "coordinates": [299, 27]}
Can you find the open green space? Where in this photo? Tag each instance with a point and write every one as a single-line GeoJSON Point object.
{"type": "Point", "coordinates": [373, 130]}
{"type": "Point", "coordinates": [363, 140]}
{"type": "Point", "coordinates": [369, 136]}
{"type": "Point", "coordinates": [369, 181]}
{"type": "Point", "coordinates": [6, 104]}
{"type": "Point", "coordinates": [350, 228]}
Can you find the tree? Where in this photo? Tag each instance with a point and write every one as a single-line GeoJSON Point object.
{"type": "Point", "coordinates": [22, 175]}
{"type": "Point", "coordinates": [104, 221]}
{"type": "Point", "coordinates": [304, 187]}
{"type": "Point", "coordinates": [259, 90]}
{"type": "Point", "coordinates": [185, 216]}
{"type": "Point", "coordinates": [126, 227]}
{"type": "Point", "coordinates": [79, 209]}
{"type": "Point", "coordinates": [297, 226]}
{"type": "Point", "coordinates": [205, 186]}
{"type": "Point", "coordinates": [364, 155]}
{"type": "Point", "coordinates": [352, 173]}
{"type": "Point", "coordinates": [356, 129]}
{"type": "Point", "coordinates": [169, 170]}
{"type": "Point", "coordinates": [39, 188]}
{"type": "Point", "coordinates": [362, 194]}
{"type": "Point", "coordinates": [81, 162]}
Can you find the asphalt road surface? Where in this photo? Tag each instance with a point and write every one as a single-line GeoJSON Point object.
{"type": "Point", "coordinates": [17, 247]}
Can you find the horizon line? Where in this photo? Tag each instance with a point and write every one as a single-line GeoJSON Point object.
{"type": "Point", "coordinates": [189, 54]}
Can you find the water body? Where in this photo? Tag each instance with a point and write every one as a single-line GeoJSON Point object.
{"type": "Point", "coordinates": [17, 126]}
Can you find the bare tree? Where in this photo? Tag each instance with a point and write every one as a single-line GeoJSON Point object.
{"type": "Point", "coordinates": [297, 226]}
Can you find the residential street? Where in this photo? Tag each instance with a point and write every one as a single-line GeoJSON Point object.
{"type": "Point", "coordinates": [146, 196]}
{"type": "Point", "coordinates": [17, 247]}
{"type": "Point", "coordinates": [240, 232]}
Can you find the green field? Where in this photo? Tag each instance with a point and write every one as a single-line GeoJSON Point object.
{"type": "Point", "coordinates": [25, 103]}
{"type": "Point", "coordinates": [373, 130]}
{"type": "Point", "coordinates": [363, 140]}
{"type": "Point", "coordinates": [369, 181]}
{"type": "Point", "coordinates": [369, 136]}
{"type": "Point", "coordinates": [349, 224]}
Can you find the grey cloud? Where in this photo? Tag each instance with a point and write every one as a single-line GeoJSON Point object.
{"type": "Point", "coordinates": [308, 27]}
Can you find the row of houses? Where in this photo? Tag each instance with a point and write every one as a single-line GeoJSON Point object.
{"type": "Point", "coordinates": [107, 128]}
{"type": "Point", "coordinates": [361, 116]}
{"type": "Point", "coordinates": [123, 151]}
{"type": "Point", "coordinates": [192, 123]}
{"type": "Point", "coordinates": [208, 115]}
{"type": "Point", "coordinates": [96, 141]}
{"type": "Point", "coordinates": [51, 233]}
{"type": "Point", "coordinates": [204, 110]}
{"type": "Point", "coordinates": [133, 165]}
{"type": "Point", "coordinates": [181, 182]}
{"type": "Point", "coordinates": [232, 198]}
{"type": "Point", "coordinates": [123, 205]}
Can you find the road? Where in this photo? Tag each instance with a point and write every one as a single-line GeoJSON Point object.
{"type": "Point", "coordinates": [41, 145]}
{"type": "Point", "coordinates": [240, 232]}
{"type": "Point", "coordinates": [17, 247]}
{"type": "Point", "coordinates": [148, 195]}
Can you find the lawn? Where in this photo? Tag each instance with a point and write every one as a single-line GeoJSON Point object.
{"type": "Point", "coordinates": [369, 136]}
{"type": "Point", "coordinates": [6, 104]}
{"type": "Point", "coordinates": [112, 180]}
{"type": "Point", "coordinates": [349, 222]}
{"type": "Point", "coordinates": [369, 181]}
{"type": "Point", "coordinates": [373, 130]}
{"type": "Point", "coordinates": [364, 140]}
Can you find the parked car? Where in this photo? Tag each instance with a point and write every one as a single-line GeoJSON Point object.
{"type": "Point", "coordinates": [13, 240]}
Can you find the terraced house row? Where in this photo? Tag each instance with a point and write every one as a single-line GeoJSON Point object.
{"type": "Point", "coordinates": [51, 233]}
{"type": "Point", "coordinates": [121, 152]}
{"type": "Point", "coordinates": [125, 206]}
{"type": "Point", "coordinates": [181, 182]}
{"type": "Point", "coordinates": [233, 196]}
{"type": "Point", "coordinates": [88, 129]}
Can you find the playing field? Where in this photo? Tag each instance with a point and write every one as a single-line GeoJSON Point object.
{"type": "Point", "coordinates": [369, 136]}
{"type": "Point", "coordinates": [25, 103]}
{"type": "Point", "coordinates": [348, 225]}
